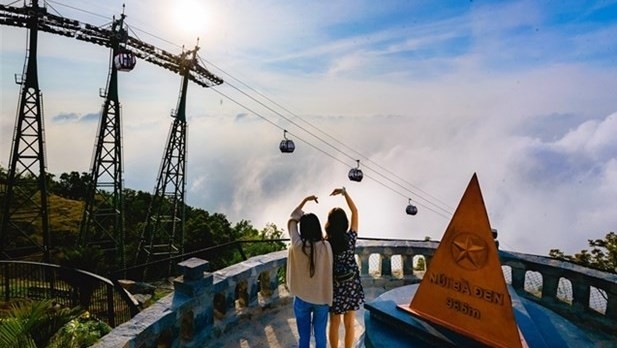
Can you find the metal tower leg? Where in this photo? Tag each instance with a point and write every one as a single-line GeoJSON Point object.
{"type": "Point", "coordinates": [103, 220]}
{"type": "Point", "coordinates": [25, 221]}
{"type": "Point", "coordinates": [163, 234]}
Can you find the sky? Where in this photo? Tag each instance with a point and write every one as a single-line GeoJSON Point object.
{"type": "Point", "coordinates": [424, 93]}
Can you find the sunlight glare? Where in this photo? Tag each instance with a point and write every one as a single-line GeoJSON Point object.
{"type": "Point", "coordinates": [190, 17]}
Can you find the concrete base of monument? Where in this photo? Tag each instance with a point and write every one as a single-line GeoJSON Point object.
{"type": "Point", "coordinates": [386, 325]}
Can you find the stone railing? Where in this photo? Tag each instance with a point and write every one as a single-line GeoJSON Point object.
{"type": "Point", "coordinates": [206, 305]}
{"type": "Point", "coordinates": [585, 296]}
{"type": "Point", "coordinates": [203, 304]}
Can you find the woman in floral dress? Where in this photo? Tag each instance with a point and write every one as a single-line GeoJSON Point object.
{"type": "Point", "coordinates": [348, 292]}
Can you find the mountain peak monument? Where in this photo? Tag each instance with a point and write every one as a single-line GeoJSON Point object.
{"type": "Point", "coordinates": [464, 288]}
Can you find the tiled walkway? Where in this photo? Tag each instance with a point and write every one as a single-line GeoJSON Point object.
{"type": "Point", "coordinates": [276, 327]}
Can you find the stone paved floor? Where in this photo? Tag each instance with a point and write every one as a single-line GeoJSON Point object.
{"type": "Point", "coordinates": [276, 327]}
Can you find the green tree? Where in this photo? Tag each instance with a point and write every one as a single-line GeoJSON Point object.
{"type": "Point", "coordinates": [71, 185]}
{"type": "Point", "coordinates": [420, 264]}
{"type": "Point", "coordinates": [197, 231]}
{"type": "Point", "coordinates": [136, 204]}
{"type": "Point", "coordinates": [603, 254]}
{"type": "Point", "coordinates": [83, 331]}
{"type": "Point", "coordinates": [265, 239]}
{"type": "Point", "coordinates": [202, 228]}
{"type": "Point", "coordinates": [34, 324]}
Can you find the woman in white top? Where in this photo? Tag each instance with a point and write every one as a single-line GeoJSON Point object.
{"type": "Point", "coordinates": [309, 275]}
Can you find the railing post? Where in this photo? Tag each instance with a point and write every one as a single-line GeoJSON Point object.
{"type": "Point", "coordinates": [427, 260]}
{"type": "Point", "coordinates": [253, 290]}
{"type": "Point", "coordinates": [611, 305]}
{"type": "Point", "coordinates": [518, 276]}
{"type": "Point", "coordinates": [580, 295]}
{"type": "Point", "coordinates": [7, 288]}
{"type": "Point", "coordinates": [549, 286]}
{"type": "Point", "coordinates": [274, 283]}
{"type": "Point", "coordinates": [386, 265]}
{"type": "Point", "coordinates": [110, 306]}
{"type": "Point", "coordinates": [407, 261]}
{"type": "Point", "coordinates": [195, 283]}
{"type": "Point", "coordinates": [230, 298]}
{"type": "Point", "coordinates": [364, 263]}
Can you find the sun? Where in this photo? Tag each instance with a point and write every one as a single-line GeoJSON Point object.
{"type": "Point", "coordinates": [190, 17]}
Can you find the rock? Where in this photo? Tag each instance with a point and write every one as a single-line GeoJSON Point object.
{"type": "Point", "coordinates": [137, 287]}
{"type": "Point", "coordinates": [141, 298]}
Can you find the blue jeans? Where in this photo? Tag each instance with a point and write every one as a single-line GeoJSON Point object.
{"type": "Point", "coordinates": [307, 314]}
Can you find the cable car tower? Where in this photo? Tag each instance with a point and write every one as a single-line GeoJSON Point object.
{"type": "Point", "coordinates": [25, 227]}
{"type": "Point", "coordinates": [25, 196]}
{"type": "Point", "coordinates": [163, 234]}
{"type": "Point", "coordinates": [102, 224]}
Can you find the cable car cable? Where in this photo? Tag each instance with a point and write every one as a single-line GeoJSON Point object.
{"type": "Point", "coordinates": [286, 118]}
{"type": "Point", "coordinates": [402, 195]}
{"type": "Point", "coordinates": [398, 184]}
{"type": "Point", "coordinates": [49, 5]}
{"type": "Point", "coordinates": [78, 9]}
{"type": "Point", "coordinates": [156, 37]}
{"type": "Point", "coordinates": [131, 27]}
{"type": "Point", "coordinates": [327, 143]}
{"type": "Point", "coordinates": [276, 125]}
{"type": "Point", "coordinates": [319, 149]}
{"type": "Point", "coordinates": [331, 137]}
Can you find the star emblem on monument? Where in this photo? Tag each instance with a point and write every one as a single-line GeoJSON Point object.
{"type": "Point", "coordinates": [469, 251]}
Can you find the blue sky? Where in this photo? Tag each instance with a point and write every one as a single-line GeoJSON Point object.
{"type": "Point", "coordinates": [521, 92]}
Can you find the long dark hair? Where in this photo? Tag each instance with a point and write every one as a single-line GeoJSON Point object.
{"type": "Point", "coordinates": [310, 232]}
{"type": "Point", "coordinates": [336, 227]}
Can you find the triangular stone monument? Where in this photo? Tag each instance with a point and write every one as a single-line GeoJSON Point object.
{"type": "Point", "coordinates": [464, 288]}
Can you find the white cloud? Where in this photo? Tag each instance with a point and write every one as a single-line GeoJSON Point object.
{"type": "Point", "coordinates": [594, 139]}
{"type": "Point", "coordinates": [537, 133]}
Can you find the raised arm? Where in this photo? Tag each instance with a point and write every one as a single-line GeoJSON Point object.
{"type": "Point", "coordinates": [353, 225]}
{"type": "Point", "coordinates": [296, 214]}
{"type": "Point", "coordinates": [301, 205]}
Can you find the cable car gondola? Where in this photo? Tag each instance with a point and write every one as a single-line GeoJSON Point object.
{"type": "Point", "coordinates": [287, 145]}
{"type": "Point", "coordinates": [411, 209]}
{"type": "Point", "coordinates": [125, 60]}
{"type": "Point", "coordinates": [355, 174]}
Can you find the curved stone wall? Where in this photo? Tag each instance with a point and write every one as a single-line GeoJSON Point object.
{"type": "Point", "coordinates": [207, 304]}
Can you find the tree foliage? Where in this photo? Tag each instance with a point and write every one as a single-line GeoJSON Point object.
{"type": "Point", "coordinates": [72, 185]}
{"type": "Point", "coordinates": [203, 229]}
{"type": "Point", "coordinates": [34, 324]}
{"type": "Point", "coordinates": [602, 256]}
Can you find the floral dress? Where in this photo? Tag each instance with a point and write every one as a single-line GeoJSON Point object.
{"type": "Point", "coordinates": [348, 296]}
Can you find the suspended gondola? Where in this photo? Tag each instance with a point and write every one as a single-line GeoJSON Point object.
{"type": "Point", "coordinates": [355, 174]}
{"type": "Point", "coordinates": [287, 145]}
{"type": "Point", "coordinates": [125, 60]}
{"type": "Point", "coordinates": [411, 209]}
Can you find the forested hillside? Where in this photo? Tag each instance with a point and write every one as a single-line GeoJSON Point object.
{"type": "Point", "coordinates": [203, 229]}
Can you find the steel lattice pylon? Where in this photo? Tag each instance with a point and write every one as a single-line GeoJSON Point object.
{"type": "Point", "coordinates": [25, 221]}
{"type": "Point", "coordinates": [102, 223]}
{"type": "Point", "coordinates": [163, 234]}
